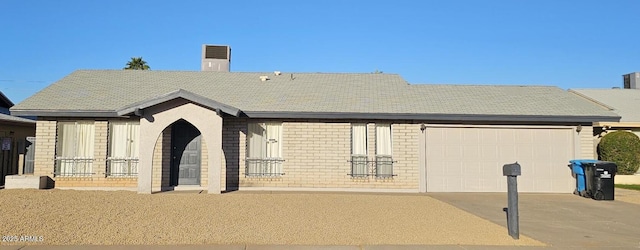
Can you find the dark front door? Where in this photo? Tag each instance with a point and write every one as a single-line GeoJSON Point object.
{"type": "Point", "coordinates": [185, 165]}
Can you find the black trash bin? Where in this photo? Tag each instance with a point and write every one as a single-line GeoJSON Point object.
{"type": "Point", "coordinates": [600, 179]}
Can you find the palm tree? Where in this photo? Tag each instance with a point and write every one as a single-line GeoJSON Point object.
{"type": "Point", "coordinates": [137, 63]}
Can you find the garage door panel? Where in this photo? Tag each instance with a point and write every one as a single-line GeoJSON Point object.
{"type": "Point", "coordinates": [474, 170]}
{"type": "Point", "coordinates": [471, 159]}
{"type": "Point", "coordinates": [452, 136]}
{"type": "Point", "coordinates": [471, 151]}
{"type": "Point", "coordinates": [489, 137]}
{"type": "Point", "coordinates": [506, 136]}
{"type": "Point", "coordinates": [490, 153]}
{"type": "Point", "coordinates": [540, 152]}
{"type": "Point", "coordinates": [524, 137]}
{"type": "Point", "coordinates": [451, 168]}
{"type": "Point", "coordinates": [545, 178]}
{"type": "Point", "coordinates": [452, 151]}
{"type": "Point", "coordinates": [507, 153]}
{"type": "Point", "coordinates": [523, 153]}
{"type": "Point", "coordinates": [471, 136]}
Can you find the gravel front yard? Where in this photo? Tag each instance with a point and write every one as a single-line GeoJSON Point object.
{"type": "Point", "coordinates": [65, 217]}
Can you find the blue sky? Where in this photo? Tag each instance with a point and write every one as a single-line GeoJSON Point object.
{"type": "Point", "coordinates": [569, 43]}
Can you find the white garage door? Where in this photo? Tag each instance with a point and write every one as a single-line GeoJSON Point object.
{"type": "Point", "coordinates": [471, 159]}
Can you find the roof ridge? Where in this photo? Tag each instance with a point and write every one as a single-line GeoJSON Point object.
{"type": "Point", "coordinates": [240, 72]}
{"type": "Point", "coordinates": [590, 99]}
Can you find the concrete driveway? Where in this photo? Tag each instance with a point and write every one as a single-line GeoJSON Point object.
{"type": "Point", "coordinates": [560, 220]}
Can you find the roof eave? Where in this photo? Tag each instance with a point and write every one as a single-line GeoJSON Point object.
{"type": "Point", "coordinates": [64, 113]}
{"type": "Point", "coordinates": [436, 117]}
{"type": "Point", "coordinates": [617, 124]}
{"type": "Point", "coordinates": [15, 120]}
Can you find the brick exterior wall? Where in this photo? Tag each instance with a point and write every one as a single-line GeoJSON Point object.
{"type": "Point", "coordinates": [100, 142]}
{"type": "Point", "coordinates": [162, 161]}
{"type": "Point", "coordinates": [405, 151]}
{"type": "Point", "coordinates": [96, 182]}
{"type": "Point", "coordinates": [45, 147]}
{"type": "Point", "coordinates": [204, 164]}
{"type": "Point", "coordinates": [233, 151]}
{"type": "Point", "coordinates": [317, 155]}
{"type": "Point", "coordinates": [588, 144]}
{"type": "Point", "coordinates": [46, 137]}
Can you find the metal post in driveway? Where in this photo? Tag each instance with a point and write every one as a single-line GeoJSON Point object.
{"type": "Point", "coordinates": [511, 171]}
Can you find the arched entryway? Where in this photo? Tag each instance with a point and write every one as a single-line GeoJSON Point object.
{"type": "Point", "coordinates": [158, 117]}
{"type": "Point", "coordinates": [186, 154]}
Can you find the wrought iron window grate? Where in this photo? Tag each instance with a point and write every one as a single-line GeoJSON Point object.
{"type": "Point", "coordinates": [264, 167]}
{"type": "Point", "coordinates": [381, 167]}
{"type": "Point", "coordinates": [73, 167]}
{"type": "Point", "coordinates": [384, 166]}
{"type": "Point", "coordinates": [122, 167]}
{"type": "Point", "coordinates": [359, 166]}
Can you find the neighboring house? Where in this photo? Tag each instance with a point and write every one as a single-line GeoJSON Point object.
{"type": "Point", "coordinates": [624, 102]}
{"type": "Point", "coordinates": [223, 131]}
{"type": "Point", "coordinates": [13, 133]}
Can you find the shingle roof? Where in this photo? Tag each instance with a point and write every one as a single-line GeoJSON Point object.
{"type": "Point", "coordinates": [624, 102]}
{"type": "Point", "coordinates": [309, 94]}
{"type": "Point", "coordinates": [501, 99]}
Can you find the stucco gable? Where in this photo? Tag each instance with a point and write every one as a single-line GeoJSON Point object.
{"type": "Point", "coordinates": [180, 93]}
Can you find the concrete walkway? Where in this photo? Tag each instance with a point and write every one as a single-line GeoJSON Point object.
{"type": "Point", "coordinates": [563, 221]}
{"type": "Point", "coordinates": [626, 195]}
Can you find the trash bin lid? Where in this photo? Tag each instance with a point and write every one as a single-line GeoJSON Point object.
{"type": "Point", "coordinates": [611, 167]}
{"type": "Point", "coordinates": [581, 161]}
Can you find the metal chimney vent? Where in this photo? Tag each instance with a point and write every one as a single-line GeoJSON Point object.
{"type": "Point", "coordinates": [631, 81]}
{"type": "Point", "coordinates": [216, 52]}
{"type": "Point", "coordinates": [216, 58]}
{"type": "Point", "coordinates": [627, 81]}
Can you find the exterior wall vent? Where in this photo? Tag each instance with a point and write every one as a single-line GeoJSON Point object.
{"type": "Point", "coordinates": [631, 80]}
{"type": "Point", "coordinates": [216, 58]}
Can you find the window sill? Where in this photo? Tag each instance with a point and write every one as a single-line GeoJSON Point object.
{"type": "Point", "coordinates": [73, 178]}
{"type": "Point", "coordinates": [372, 178]}
{"type": "Point", "coordinates": [264, 177]}
{"type": "Point", "coordinates": [122, 177]}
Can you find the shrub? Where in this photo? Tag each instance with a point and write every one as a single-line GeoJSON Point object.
{"type": "Point", "coordinates": [623, 148]}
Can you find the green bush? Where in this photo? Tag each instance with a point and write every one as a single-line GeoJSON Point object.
{"type": "Point", "coordinates": [623, 148]}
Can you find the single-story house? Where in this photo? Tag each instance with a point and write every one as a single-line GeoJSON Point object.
{"type": "Point", "coordinates": [13, 134]}
{"type": "Point", "coordinates": [623, 101]}
{"type": "Point", "coordinates": [224, 131]}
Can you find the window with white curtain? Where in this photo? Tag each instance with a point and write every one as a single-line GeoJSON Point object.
{"type": "Point", "coordinates": [264, 149]}
{"type": "Point", "coordinates": [74, 149]}
{"type": "Point", "coordinates": [359, 164]}
{"type": "Point", "coordinates": [384, 159]}
{"type": "Point", "coordinates": [123, 148]}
